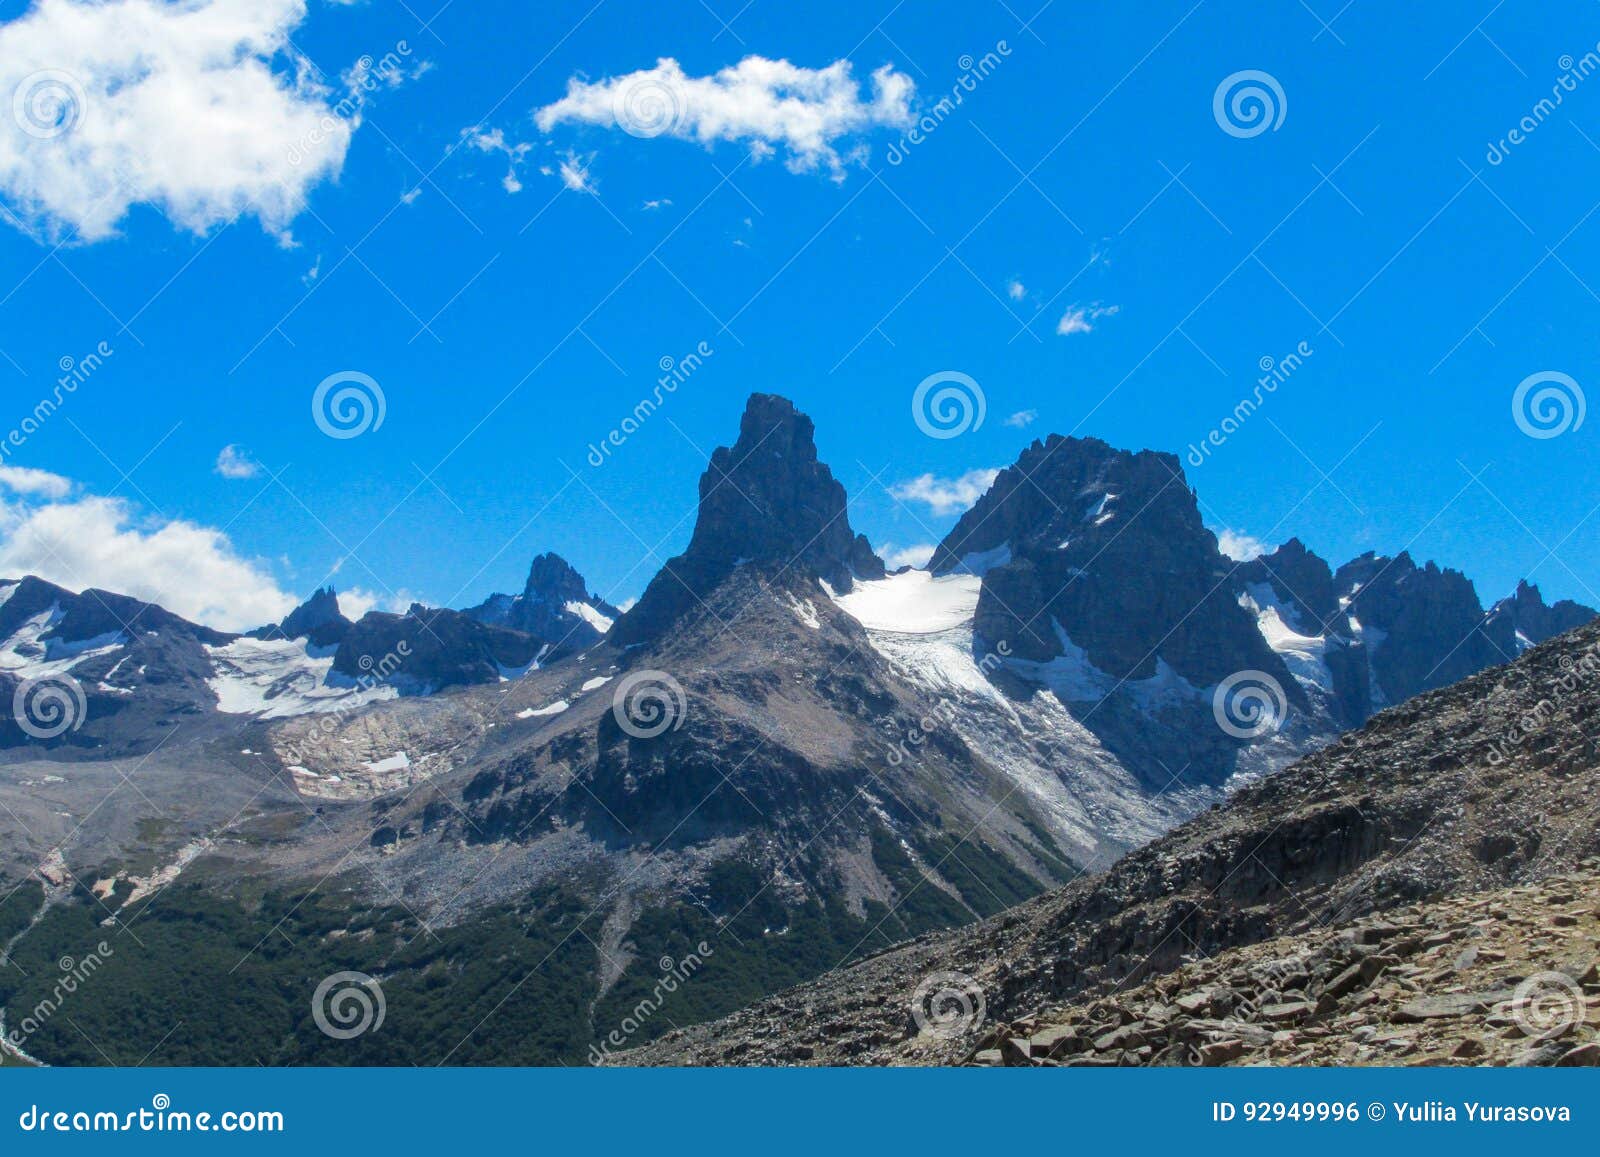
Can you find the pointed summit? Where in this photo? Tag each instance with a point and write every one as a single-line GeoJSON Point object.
{"type": "Point", "coordinates": [555, 607]}
{"type": "Point", "coordinates": [318, 620]}
{"type": "Point", "coordinates": [1525, 619]}
{"type": "Point", "coordinates": [768, 502]}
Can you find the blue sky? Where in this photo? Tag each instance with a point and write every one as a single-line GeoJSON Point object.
{"type": "Point", "coordinates": [1080, 235]}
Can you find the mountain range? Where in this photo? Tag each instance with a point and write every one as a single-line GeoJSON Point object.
{"type": "Point", "coordinates": [782, 746]}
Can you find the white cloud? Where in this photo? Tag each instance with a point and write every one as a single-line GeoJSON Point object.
{"type": "Point", "coordinates": [191, 570]}
{"type": "Point", "coordinates": [1021, 418]}
{"type": "Point", "coordinates": [945, 495]}
{"type": "Point", "coordinates": [1240, 546]}
{"type": "Point", "coordinates": [234, 462]}
{"type": "Point", "coordinates": [27, 480]}
{"type": "Point", "coordinates": [184, 107]}
{"type": "Point", "coordinates": [1016, 291]}
{"type": "Point", "coordinates": [658, 203]}
{"type": "Point", "coordinates": [494, 141]}
{"type": "Point", "coordinates": [763, 103]}
{"type": "Point", "coordinates": [895, 557]}
{"type": "Point", "coordinates": [1081, 318]}
{"type": "Point", "coordinates": [574, 173]}
{"type": "Point", "coordinates": [357, 601]}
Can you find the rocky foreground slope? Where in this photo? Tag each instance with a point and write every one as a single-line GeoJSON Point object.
{"type": "Point", "coordinates": [1488, 785]}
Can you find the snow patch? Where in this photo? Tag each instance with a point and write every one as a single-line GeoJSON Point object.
{"type": "Point", "coordinates": [805, 611]}
{"type": "Point", "coordinates": [589, 615]}
{"type": "Point", "coordinates": [555, 708]}
{"type": "Point", "coordinates": [1304, 655]}
{"type": "Point", "coordinates": [597, 682]}
{"type": "Point", "coordinates": [276, 679]}
{"type": "Point", "coordinates": [913, 603]}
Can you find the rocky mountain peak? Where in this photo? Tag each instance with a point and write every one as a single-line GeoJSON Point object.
{"type": "Point", "coordinates": [318, 620]}
{"type": "Point", "coordinates": [1086, 547]}
{"type": "Point", "coordinates": [1525, 619]}
{"type": "Point", "coordinates": [765, 501]}
{"type": "Point", "coordinates": [768, 498]}
{"type": "Point", "coordinates": [552, 579]}
{"type": "Point", "coordinates": [1302, 581]}
{"type": "Point", "coordinates": [555, 607]}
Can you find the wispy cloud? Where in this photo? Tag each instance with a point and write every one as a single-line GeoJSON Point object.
{"type": "Point", "coordinates": [945, 495]}
{"type": "Point", "coordinates": [1021, 418]}
{"type": "Point", "coordinates": [235, 462]}
{"type": "Point", "coordinates": [1081, 318]}
{"type": "Point", "coordinates": [494, 141]}
{"type": "Point", "coordinates": [1016, 291]}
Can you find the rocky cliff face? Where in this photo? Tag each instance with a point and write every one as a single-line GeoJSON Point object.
{"type": "Point", "coordinates": [428, 648]}
{"type": "Point", "coordinates": [765, 502]}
